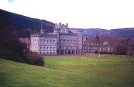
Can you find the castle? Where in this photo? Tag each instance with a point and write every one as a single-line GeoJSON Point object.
{"type": "Point", "coordinates": [61, 41]}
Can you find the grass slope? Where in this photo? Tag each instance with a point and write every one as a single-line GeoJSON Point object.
{"type": "Point", "coordinates": [69, 71]}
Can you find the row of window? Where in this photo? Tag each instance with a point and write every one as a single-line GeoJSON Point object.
{"type": "Point", "coordinates": [89, 47]}
{"type": "Point", "coordinates": [46, 41]}
{"type": "Point", "coordinates": [89, 50]}
{"type": "Point", "coordinates": [47, 52]}
{"type": "Point", "coordinates": [48, 48]}
{"type": "Point", "coordinates": [67, 41]}
{"type": "Point", "coordinates": [44, 47]}
{"type": "Point", "coordinates": [54, 41]}
{"type": "Point", "coordinates": [68, 36]}
{"type": "Point", "coordinates": [103, 48]}
{"type": "Point", "coordinates": [67, 47]}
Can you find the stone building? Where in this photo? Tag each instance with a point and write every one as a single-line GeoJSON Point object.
{"type": "Point", "coordinates": [90, 46]}
{"type": "Point", "coordinates": [61, 41]}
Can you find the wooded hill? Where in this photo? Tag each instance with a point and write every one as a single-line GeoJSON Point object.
{"type": "Point", "coordinates": [15, 25]}
{"type": "Point", "coordinates": [21, 26]}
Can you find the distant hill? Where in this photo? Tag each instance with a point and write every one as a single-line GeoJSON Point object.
{"type": "Point", "coordinates": [15, 25]}
{"type": "Point", "coordinates": [124, 32]}
{"type": "Point", "coordinates": [92, 32]}
{"type": "Point", "coordinates": [21, 24]}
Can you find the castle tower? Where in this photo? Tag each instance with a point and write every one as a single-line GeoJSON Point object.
{"type": "Point", "coordinates": [79, 39]}
{"type": "Point", "coordinates": [56, 28]}
{"type": "Point", "coordinates": [84, 40]}
{"type": "Point", "coordinates": [42, 31]}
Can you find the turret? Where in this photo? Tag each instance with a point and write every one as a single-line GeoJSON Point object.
{"type": "Point", "coordinates": [42, 31]}
{"type": "Point", "coordinates": [67, 25]}
{"type": "Point", "coordinates": [79, 39]}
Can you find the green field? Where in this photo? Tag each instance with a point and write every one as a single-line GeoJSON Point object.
{"type": "Point", "coordinates": [69, 71]}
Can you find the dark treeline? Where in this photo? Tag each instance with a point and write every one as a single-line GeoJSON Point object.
{"type": "Point", "coordinates": [123, 32]}
{"type": "Point", "coordinates": [14, 26]}
{"type": "Point", "coordinates": [20, 25]}
{"type": "Point", "coordinates": [125, 47]}
{"type": "Point", "coordinates": [13, 49]}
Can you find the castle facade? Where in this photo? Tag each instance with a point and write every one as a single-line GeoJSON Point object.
{"type": "Point", "coordinates": [61, 41]}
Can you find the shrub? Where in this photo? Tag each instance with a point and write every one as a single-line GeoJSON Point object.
{"type": "Point", "coordinates": [35, 59]}
{"type": "Point", "coordinates": [10, 55]}
{"type": "Point", "coordinates": [103, 52]}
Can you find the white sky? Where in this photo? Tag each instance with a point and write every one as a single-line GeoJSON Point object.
{"type": "Point", "coordinates": [106, 14]}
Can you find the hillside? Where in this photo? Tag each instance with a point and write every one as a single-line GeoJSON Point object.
{"type": "Point", "coordinates": [92, 32]}
{"type": "Point", "coordinates": [21, 25]}
{"type": "Point", "coordinates": [15, 25]}
{"type": "Point", "coordinates": [124, 32]}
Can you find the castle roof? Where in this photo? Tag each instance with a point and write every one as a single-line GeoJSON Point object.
{"type": "Point", "coordinates": [44, 35]}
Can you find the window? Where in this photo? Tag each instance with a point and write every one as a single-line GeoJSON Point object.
{"type": "Point", "coordinates": [54, 48]}
{"type": "Point", "coordinates": [74, 41]}
{"type": "Point", "coordinates": [71, 41]}
{"type": "Point", "coordinates": [64, 40]}
{"type": "Point", "coordinates": [47, 48]}
{"type": "Point", "coordinates": [53, 41]}
{"type": "Point", "coordinates": [50, 48]}
{"type": "Point", "coordinates": [59, 47]}
{"type": "Point", "coordinates": [64, 47]}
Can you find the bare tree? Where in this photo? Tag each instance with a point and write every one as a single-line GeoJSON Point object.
{"type": "Point", "coordinates": [114, 41]}
{"type": "Point", "coordinates": [98, 45]}
{"type": "Point", "coordinates": [130, 49]}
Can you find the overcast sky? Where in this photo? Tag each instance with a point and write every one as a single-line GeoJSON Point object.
{"type": "Point", "coordinates": [107, 14]}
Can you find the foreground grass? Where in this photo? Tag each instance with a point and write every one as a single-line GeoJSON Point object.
{"type": "Point", "coordinates": [69, 71]}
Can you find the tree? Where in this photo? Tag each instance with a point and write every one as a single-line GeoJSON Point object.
{"type": "Point", "coordinates": [130, 48]}
{"type": "Point", "coordinates": [115, 41]}
{"type": "Point", "coordinates": [98, 45]}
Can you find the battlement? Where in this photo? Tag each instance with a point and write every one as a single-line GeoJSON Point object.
{"type": "Point", "coordinates": [61, 25]}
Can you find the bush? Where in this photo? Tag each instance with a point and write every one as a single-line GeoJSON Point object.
{"type": "Point", "coordinates": [35, 59]}
{"type": "Point", "coordinates": [103, 52]}
{"type": "Point", "coordinates": [10, 55]}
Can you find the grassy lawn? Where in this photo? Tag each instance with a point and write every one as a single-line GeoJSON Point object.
{"type": "Point", "coordinates": [69, 71]}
